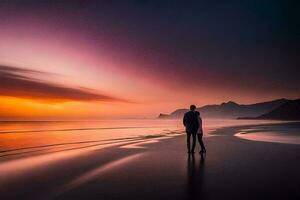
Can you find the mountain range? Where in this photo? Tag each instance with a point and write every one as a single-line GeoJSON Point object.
{"type": "Point", "coordinates": [276, 109]}
{"type": "Point", "coordinates": [287, 111]}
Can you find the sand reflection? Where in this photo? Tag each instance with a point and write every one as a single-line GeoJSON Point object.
{"type": "Point", "coordinates": [95, 173]}
{"type": "Point", "coordinates": [281, 133]}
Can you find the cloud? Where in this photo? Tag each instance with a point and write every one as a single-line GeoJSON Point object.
{"type": "Point", "coordinates": [18, 82]}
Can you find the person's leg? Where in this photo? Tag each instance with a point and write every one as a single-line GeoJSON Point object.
{"type": "Point", "coordinates": [199, 137]}
{"type": "Point", "coordinates": [201, 143]}
{"type": "Point", "coordinates": [194, 142]}
{"type": "Point", "coordinates": [188, 141]}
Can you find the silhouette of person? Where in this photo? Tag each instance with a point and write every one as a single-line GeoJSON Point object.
{"type": "Point", "coordinates": [191, 123]}
{"type": "Point", "coordinates": [200, 133]}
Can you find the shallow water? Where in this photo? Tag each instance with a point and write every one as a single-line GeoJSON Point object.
{"type": "Point", "coordinates": [18, 139]}
{"type": "Point", "coordinates": [29, 149]}
{"type": "Point", "coordinates": [21, 138]}
{"type": "Point", "coordinates": [280, 133]}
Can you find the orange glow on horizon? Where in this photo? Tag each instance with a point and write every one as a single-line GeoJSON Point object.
{"type": "Point", "coordinates": [147, 85]}
{"type": "Point", "coordinates": [20, 108]}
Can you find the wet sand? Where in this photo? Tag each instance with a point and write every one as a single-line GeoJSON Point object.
{"type": "Point", "coordinates": [159, 168]}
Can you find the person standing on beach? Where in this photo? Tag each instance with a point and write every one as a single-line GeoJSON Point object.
{"type": "Point", "coordinates": [200, 133]}
{"type": "Point", "coordinates": [191, 123]}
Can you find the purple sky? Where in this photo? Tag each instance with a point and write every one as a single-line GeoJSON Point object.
{"type": "Point", "coordinates": [151, 52]}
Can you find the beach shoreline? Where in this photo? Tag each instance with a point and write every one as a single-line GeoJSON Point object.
{"type": "Point", "coordinates": [160, 168]}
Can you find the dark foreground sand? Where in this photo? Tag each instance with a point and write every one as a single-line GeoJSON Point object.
{"type": "Point", "coordinates": [232, 169]}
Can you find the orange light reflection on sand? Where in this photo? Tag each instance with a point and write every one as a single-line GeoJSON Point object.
{"type": "Point", "coordinates": [14, 168]}
{"type": "Point", "coordinates": [94, 173]}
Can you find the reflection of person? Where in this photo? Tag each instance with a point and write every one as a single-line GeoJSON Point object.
{"type": "Point", "coordinates": [191, 123]}
{"type": "Point", "coordinates": [200, 133]}
{"type": "Point", "coordinates": [195, 177]}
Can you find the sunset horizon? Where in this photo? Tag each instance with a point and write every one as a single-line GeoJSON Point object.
{"type": "Point", "coordinates": [149, 100]}
{"type": "Point", "coordinates": [61, 61]}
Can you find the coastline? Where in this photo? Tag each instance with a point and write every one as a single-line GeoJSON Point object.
{"type": "Point", "coordinates": [156, 168]}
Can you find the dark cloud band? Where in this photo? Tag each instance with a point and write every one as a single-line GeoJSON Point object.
{"type": "Point", "coordinates": [17, 82]}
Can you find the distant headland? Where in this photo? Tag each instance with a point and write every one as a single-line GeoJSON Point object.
{"type": "Point", "coordinates": [279, 109]}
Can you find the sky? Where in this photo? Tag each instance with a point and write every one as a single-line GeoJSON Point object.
{"type": "Point", "coordinates": [135, 59]}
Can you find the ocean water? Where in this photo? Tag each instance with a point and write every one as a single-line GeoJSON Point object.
{"type": "Point", "coordinates": [288, 133]}
{"type": "Point", "coordinates": [32, 133]}
{"type": "Point", "coordinates": [21, 139]}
